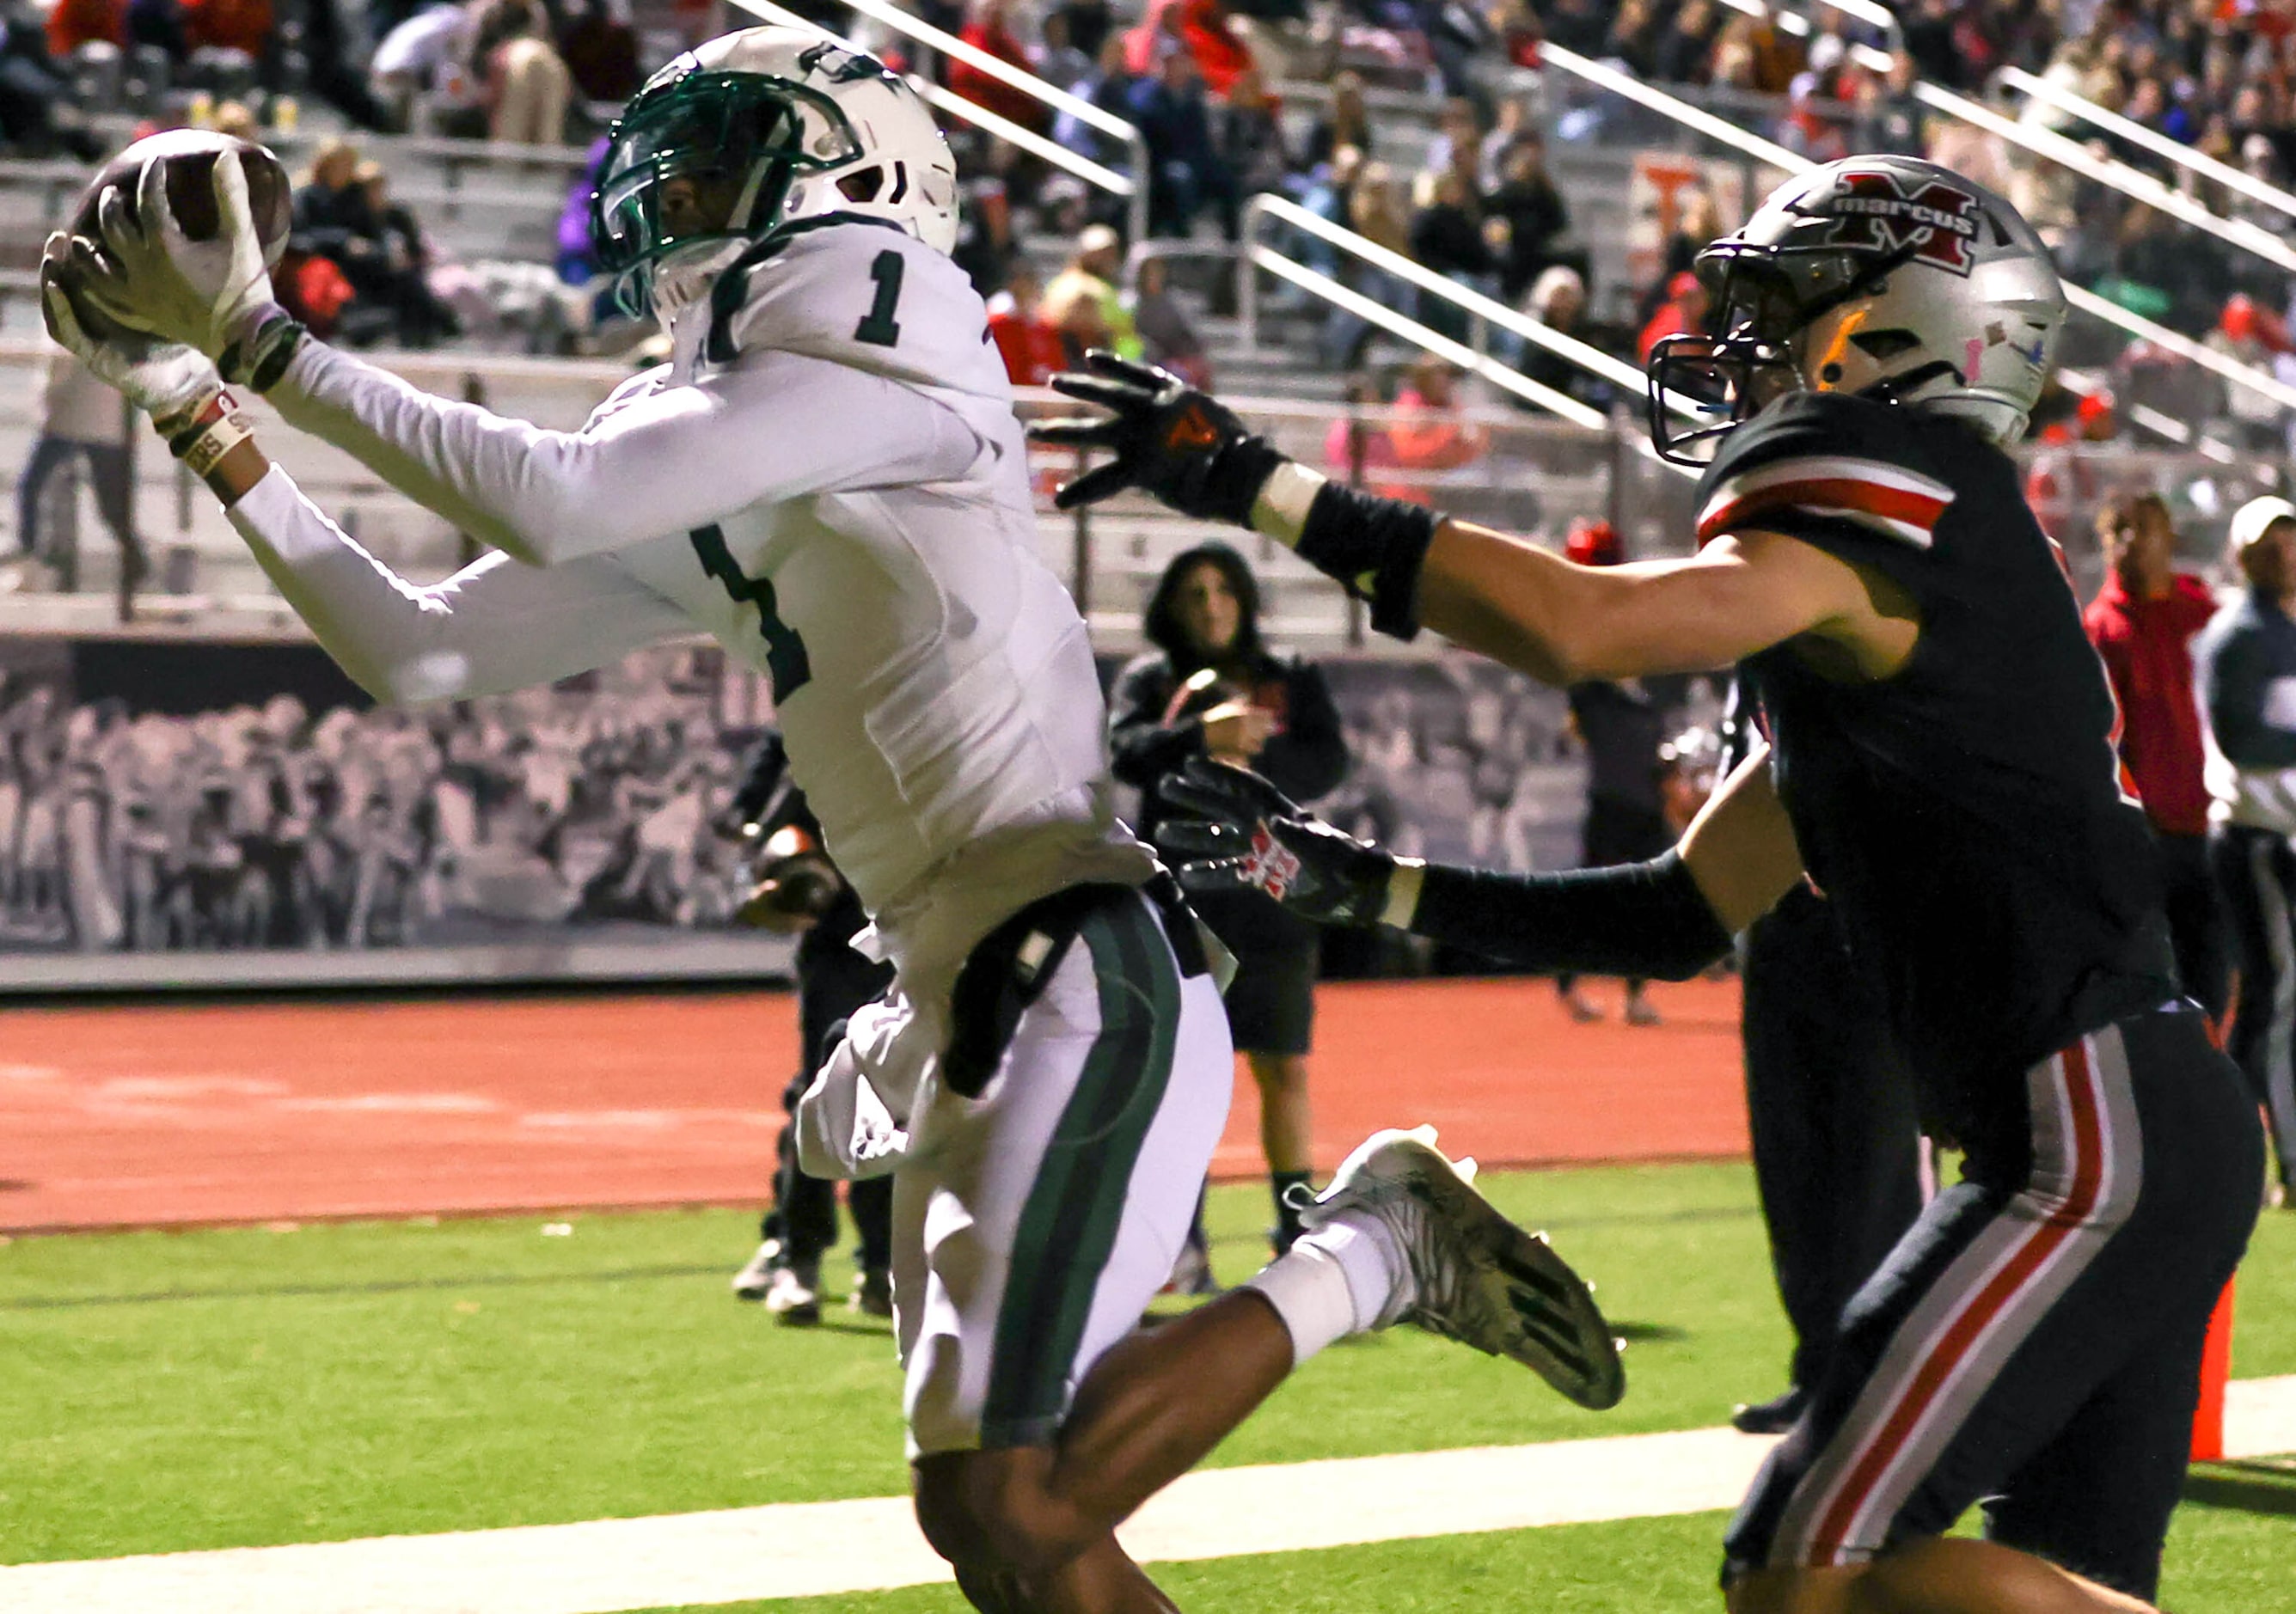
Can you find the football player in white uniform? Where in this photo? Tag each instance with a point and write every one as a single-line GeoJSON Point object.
{"type": "Point", "coordinates": [828, 477]}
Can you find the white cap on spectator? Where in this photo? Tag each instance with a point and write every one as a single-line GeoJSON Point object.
{"type": "Point", "coordinates": [2251, 522]}
{"type": "Point", "coordinates": [1098, 238]}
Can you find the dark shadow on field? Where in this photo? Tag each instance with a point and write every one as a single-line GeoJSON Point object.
{"type": "Point", "coordinates": [2246, 1488]}
{"type": "Point", "coordinates": [1662, 1333]}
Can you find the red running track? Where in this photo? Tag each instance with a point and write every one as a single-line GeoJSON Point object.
{"type": "Point", "coordinates": [162, 1114]}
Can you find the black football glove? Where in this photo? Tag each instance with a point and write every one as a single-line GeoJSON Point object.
{"type": "Point", "coordinates": [1183, 445]}
{"type": "Point", "coordinates": [1244, 834]}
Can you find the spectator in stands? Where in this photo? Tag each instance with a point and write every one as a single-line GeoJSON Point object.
{"type": "Point", "coordinates": [1186, 172]}
{"type": "Point", "coordinates": [81, 418]}
{"type": "Point", "coordinates": [34, 91]}
{"type": "Point", "coordinates": [2245, 661]}
{"type": "Point", "coordinates": [75, 23]}
{"type": "Point", "coordinates": [2258, 338]}
{"type": "Point", "coordinates": [1251, 138]}
{"type": "Point", "coordinates": [1682, 313]}
{"type": "Point", "coordinates": [1557, 299]}
{"type": "Point", "coordinates": [1687, 47]}
{"type": "Point", "coordinates": [987, 29]}
{"type": "Point", "coordinates": [1807, 128]}
{"type": "Point", "coordinates": [1169, 339]}
{"type": "Point", "coordinates": [1200, 27]}
{"type": "Point", "coordinates": [1430, 432]}
{"type": "Point", "coordinates": [1530, 206]}
{"type": "Point", "coordinates": [1087, 23]}
{"type": "Point", "coordinates": [1057, 59]}
{"type": "Point", "coordinates": [1110, 90]}
{"type": "Point", "coordinates": [1697, 224]}
{"type": "Point", "coordinates": [406, 258]}
{"type": "Point", "coordinates": [1632, 37]}
{"type": "Point", "coordinates": [2143, 622]}
{"type": "Point", "coordinates": [1082, 303]}
{"type": "Point", "coordinates": [1032, 350]}
{"type": "Point", "coordinates": [337, 219]}
{"type": "Point", "coordinates": [1447, 236]}
{"type": "Point", "coordinates": [1357, 446]}
{"type": "Point", "coordinates": [1458, 144]}
{"type": "Point", "coordinates": [158, 24]}
{"type": "Point", "coordinates": [243, 28]}
{"type": "Point", "coordinates": [984, 246]}
{"type": "Point", "coordinates": [2061, 481]}
{"type": "Point", "coordinates": [1346, 122]}
{"type": "Point", "coordinates": [600, 48]}
{"type": "Point", "coordinates": [1376, 211]}
{"type": "Point", "coordinates": [528, 88]}
{"type": "Point", "coordinates": [415, 55]}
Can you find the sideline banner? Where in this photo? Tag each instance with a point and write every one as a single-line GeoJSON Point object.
{"type": "Point", "coordinates": [178, 812]}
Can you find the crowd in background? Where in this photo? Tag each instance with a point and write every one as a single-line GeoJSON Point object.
{"type": "Point", "coordinates": [267, 827]}
{"type": "Point", "coordinates": [1474, 198]}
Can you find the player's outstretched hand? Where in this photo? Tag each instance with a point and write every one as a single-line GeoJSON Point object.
{"type": "Point", "coordinates": [1183, 445]}
{"type": "Point", "coordinates": [211, 295]}
{"type": "Point", "coordinates": [166, 380]}
{"type": "Point", "coordinates": [1233, 831]}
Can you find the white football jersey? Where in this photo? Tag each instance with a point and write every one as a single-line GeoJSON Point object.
{"type": "Point", "coordinates": [829, 480]}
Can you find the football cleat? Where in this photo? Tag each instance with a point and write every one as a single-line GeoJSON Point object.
{"type": "Point", "coordinates": [1477, 1277]}
{"type": "Point", "coordinates": [793, 1300]}
{"type": "Point", "coordinates": [757, 1276]}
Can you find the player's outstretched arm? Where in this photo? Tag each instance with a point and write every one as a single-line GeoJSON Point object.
{"type": "Point", "coordinates": [778, 426]}
{"type": "Point", "coordinates": [1504, 597]}
{"type": "Point", "coordinates": [494, 625]}
{"type": "Point", "coordinates": [1669, 918]}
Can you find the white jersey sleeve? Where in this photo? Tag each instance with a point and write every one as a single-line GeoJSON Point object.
{"type": "Point", "coordinates": [662, 460]}
{"type": "Point", "coordinates": [493, 626]}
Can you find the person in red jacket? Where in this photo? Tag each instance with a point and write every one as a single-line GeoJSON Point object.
{"type": "Point", "coordinates": [1031, 349]}
{"type": "Point", "coordinates": [988, 29]}
{"type": "Point", "coordinates": [2142, 622]}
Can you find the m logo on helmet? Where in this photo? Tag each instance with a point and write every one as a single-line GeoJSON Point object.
{"type": "Point", "coordinates": [1936, 223]}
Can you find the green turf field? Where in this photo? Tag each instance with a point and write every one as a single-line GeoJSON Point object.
{"type": "Point", "coordinates": [253, 1387]}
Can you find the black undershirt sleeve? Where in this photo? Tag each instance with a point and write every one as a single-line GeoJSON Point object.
{"type": "Point", "coordinates": [1634, 919]}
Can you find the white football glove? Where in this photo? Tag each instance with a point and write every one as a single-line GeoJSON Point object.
{"type": "Point", "coordinates": [211, 295]}
{"type": "Point", "coordinates": [166, 380]}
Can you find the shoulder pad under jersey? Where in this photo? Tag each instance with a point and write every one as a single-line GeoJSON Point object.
{"type": "Point", "coordinates": [1830, 457]}
{"type": "Point", "coordinates": [645, 383]}
{"type": "Point", "coordinates": [859, 292]}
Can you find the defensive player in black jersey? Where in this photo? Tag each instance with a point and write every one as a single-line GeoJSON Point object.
{"type": "Point", "coordinates": [1942, 765]}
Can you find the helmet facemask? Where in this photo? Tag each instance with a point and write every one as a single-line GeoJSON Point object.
{"type": "Point", "coordinates": [702, 165]}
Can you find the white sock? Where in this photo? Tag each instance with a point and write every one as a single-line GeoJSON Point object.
{"type": "Point", "coordinates": [1336, 1281]}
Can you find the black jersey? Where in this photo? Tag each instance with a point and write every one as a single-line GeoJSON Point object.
{"type": "Point", "coordinates": [1965, 814]}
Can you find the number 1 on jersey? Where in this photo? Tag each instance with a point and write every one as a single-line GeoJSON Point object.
{"type": "Point", "coordinates": [877, 327]}
{"type": "Point", "coordinates": [788, 668]}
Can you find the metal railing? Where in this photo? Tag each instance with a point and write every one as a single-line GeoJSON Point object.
{"type": "Point", "coordinates": [1485, 313]}
{"type": "Point", "coordinates": [2111, 173]}
{"type": "Point", "coordinates": [1132, 187]}
{"type": "Point", "coordinates": [2112, 123]}
{"type": "Point", "coordinates": [1768, 150]}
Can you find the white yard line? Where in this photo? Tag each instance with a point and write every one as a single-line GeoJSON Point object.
{"type": "Point", "coordinates": [796, 1550]}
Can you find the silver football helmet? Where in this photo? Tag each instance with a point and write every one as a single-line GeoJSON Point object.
{"type": "Point", "coordinates": [749, 134]}
{"type": "Point", "coordinates": [1884, 276]}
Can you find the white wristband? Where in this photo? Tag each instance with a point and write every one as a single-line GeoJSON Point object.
{"type": "Point", "coordinates": [1403, 883]}
{"type": "Point", "coordinates": [234, 427]}
{"type": "Point", "coordinates": [1281, 510]}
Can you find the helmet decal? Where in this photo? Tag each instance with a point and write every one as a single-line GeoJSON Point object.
{"type": "Point", "coordinates": [1883, 277]}
{"type": "Point", "coordinates": [1933, 221]}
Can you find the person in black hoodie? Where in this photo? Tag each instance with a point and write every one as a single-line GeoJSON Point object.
{"type": "Point", "coordinates": [1211, 687]}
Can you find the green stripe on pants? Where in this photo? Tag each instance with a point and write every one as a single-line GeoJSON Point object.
{"type": "Point", "coordinates": [1068, 1224]}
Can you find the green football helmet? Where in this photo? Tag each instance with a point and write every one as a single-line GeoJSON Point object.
{"type": "Point", "coordinates": [747, 134]}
